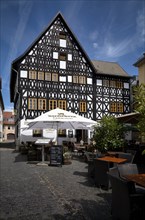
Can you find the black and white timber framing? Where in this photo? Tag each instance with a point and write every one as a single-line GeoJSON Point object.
{"type": "Point", "coordinates": [55, 71]}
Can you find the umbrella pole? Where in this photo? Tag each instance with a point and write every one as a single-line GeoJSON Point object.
{"type": "Point", "coordinates": [57, 134]}
{"type": "Point", "coordinates": [42, 153]}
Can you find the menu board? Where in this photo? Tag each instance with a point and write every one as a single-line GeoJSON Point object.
{"type": "Point", "coordinates": [56, 155]}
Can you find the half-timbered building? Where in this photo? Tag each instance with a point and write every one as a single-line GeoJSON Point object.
{"type": "Point", "coordinates": [55, 71]}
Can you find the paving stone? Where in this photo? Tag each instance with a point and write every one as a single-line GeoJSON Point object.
{"type": "Point", "coordinates": [28, 191]}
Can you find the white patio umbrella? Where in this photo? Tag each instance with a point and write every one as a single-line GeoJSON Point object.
{"type": "Point", "coordinates": [60, 119]}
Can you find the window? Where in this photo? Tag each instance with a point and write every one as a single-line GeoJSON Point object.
{"type": "Point", "coordinates": [57, 103]}
{"type": "Point", "coordinates": [52, 104]}
{"type": "Point", "coordinates": [113, 83]}
{"type": "Point", "coordinates": [62, 40]}
{"type": "Point", "coordinates": [37, 133]}
{"type": "Point", "coordinates": [32, 74]}
{"type": "Point", "coordinates": [41, 75]}
{"type": "Point", "coordinates": [99, 82]}
{"type": "Point", "coordinates": [113, 107]}
{"type": "Point", "coordinates": [62, 104]}
{"type": "Point", "coordinates": [126, 85]}
{"type": "Point", "coordinates": [82, 106]}
{"type": "Point", "coordinates": [61, 132]}
{"type": "Point", "coordinates": [75, 79]}
{"type": "Point", "coordinates": [119, 85]}
{"type": "Point", "coordinates": [55, 55]}
{"type": "Point", "coordinates": [48, 76]}
{"type": "Point", "coordinates": [62, 78]}
{"type": "Point", "coordinates": [62, 64]}
{"type": "Point", "coordinates": [120, 107]}
{"type": "Point", "coordinates": [62, 35]}
{"type": "Point", "coordinates": [55, 77]}
{"type": "Point", "coordinates": [106, 82]}
{"type": "Point", "coordinates": [42, 104]}
{"type": "Point", "coordinates": [116, 107]}
{"type": "Point", "coordinates": [89, 81]}
{"type": "Point", "coordinates": [32, 103]}
{"type": "Point", "coordinates": [62, 56]}
{"type": "Point", "coordinates": [69, 57]}
{"type": "Point", "coordinates": [82, 79]}
{"type": "Point", "coordinates": [69, 78]}
{"type": "Point", "coordinates": [23, 74]}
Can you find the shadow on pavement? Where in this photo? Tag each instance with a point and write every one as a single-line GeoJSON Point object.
{"type": "Point", "coordinates": [20, 157]}
{"type": "Point", "coordinates": [86, 209]}
{"type": "Point", "coordinates": [9, 145]}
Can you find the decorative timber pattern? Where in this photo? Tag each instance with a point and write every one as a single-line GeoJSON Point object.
{"type": "Point", "coordinates": [56, 72]}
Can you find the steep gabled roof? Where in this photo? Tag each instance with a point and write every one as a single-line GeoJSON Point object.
{"type": "Point", "coordinates": [109, 68]}
{"type": "Point", "coordinates": [20, 58]}
{"type": "Point", "coordinates": [59, 15]}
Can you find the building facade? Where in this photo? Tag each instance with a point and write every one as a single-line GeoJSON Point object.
{"type": "Point", "coordinates": [1, 112]}
{"type": "Point", "coordinates": [55, 71]}
{"type": "Point", "coordinates": [8, 126]}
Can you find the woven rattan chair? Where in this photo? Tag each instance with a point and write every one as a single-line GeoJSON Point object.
{"type": "Point", "coordinates": [125, 205]}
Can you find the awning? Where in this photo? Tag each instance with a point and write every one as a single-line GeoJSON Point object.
{"type": "Point", "coordinates": [132, 118]}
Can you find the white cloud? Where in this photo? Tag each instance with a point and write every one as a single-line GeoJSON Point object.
{"type": "Point", "coordinates": [93, 36]}
{"type": "Point", "coordinates": [24, 13]}
{"type": "Point", "coordinates": [95, 45]}
{"type": "Point", "coordinates": [140, 26]}
{"type": "Point", "coordinates": [110, 47]}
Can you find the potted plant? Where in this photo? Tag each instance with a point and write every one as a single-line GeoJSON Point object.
{"type": "Point", "coordinates": [67, 158]}
{"type": "Point", "coordinates": [109, 135]}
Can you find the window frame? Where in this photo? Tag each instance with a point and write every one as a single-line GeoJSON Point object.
{"type": "Point", "coordinates": [32, 74]}
{"type": "Point", "coordinates": [75, 79]}
{"type": "Point", "coordinates": [47, 76]}
{"type": "Point", "coordinates": [33, 104]}
{"type": "Point", "coordinates": [82, 80]}
{"type": "Point", "coordinates": [116, 107]}
{"type": "Point", "coordinates": [52, 104]}
{"type": "Point", "coordinates": [62, 104]}
{"type": "Point", "coordinates": [42, 106]}
{"type": "Point", "coordinates": [54, 77]}
{"type": "Point", "coordinates": [83, 106]}
{"type": "Point", "coordinates": [40, 75]}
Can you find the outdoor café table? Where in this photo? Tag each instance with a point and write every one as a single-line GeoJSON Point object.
{"type": "Point", "coordinates": [136, 178]}
{"type": "Point", "coordinates": [112, 159]}
{"type": "Point", "coordinates": [102, 166]}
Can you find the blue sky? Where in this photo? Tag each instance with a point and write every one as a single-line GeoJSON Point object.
{"type": "Point", "coordinates": [107, 30]}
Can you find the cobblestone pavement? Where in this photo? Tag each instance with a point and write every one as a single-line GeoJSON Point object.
{"type": "Point", "coordinates": [28, 191]}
